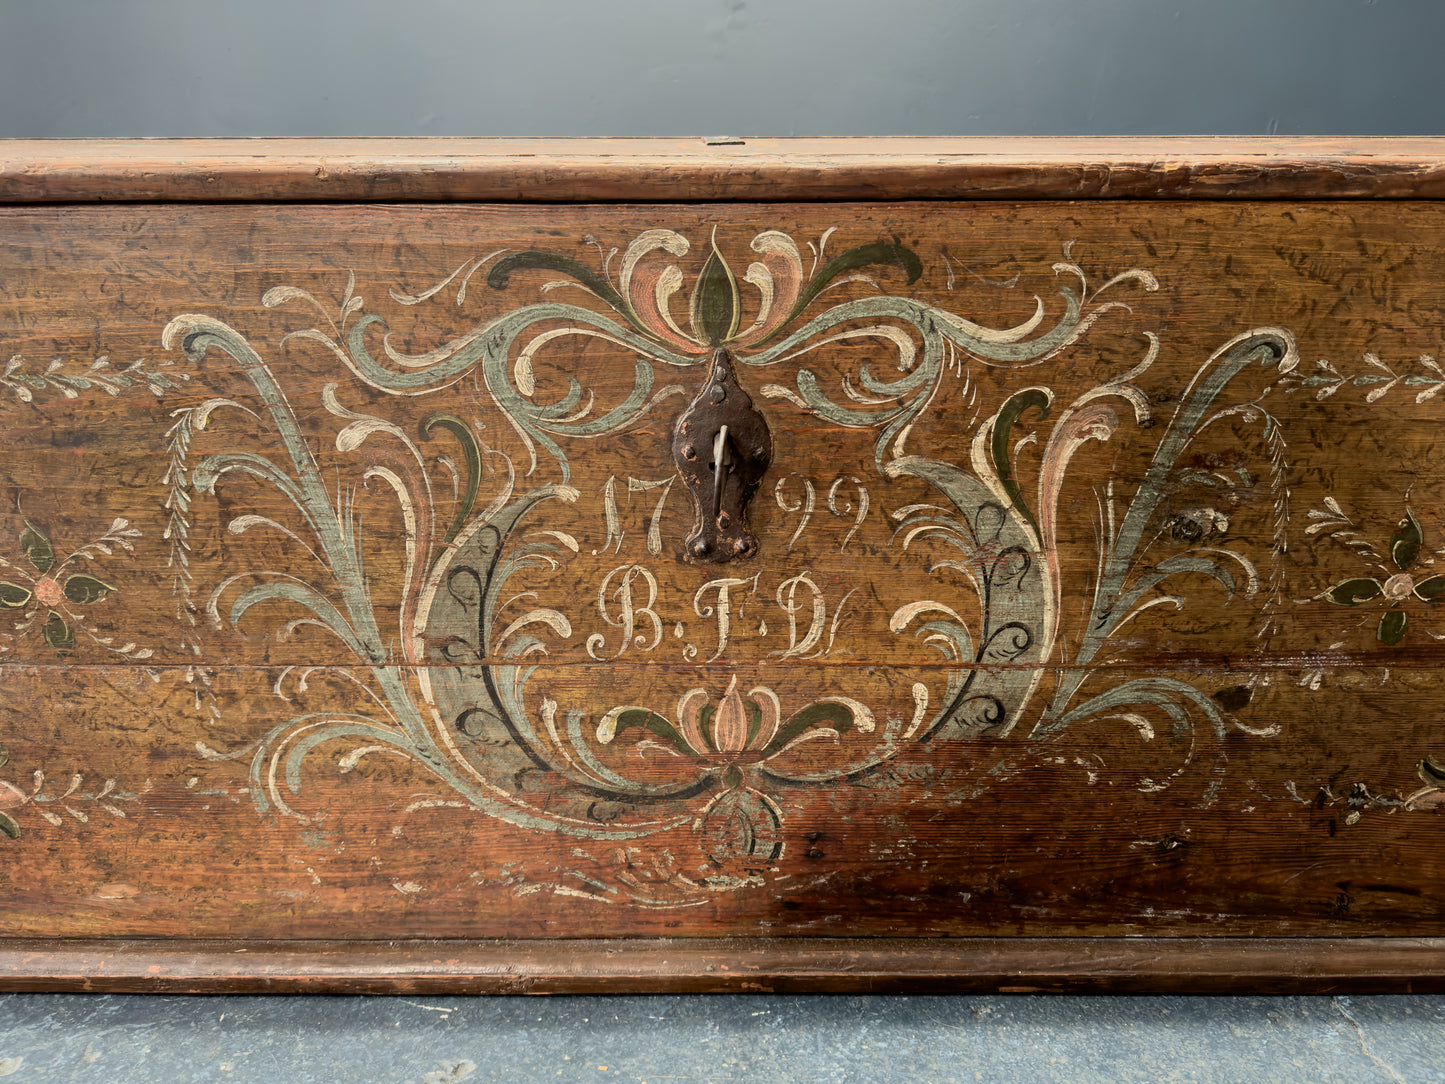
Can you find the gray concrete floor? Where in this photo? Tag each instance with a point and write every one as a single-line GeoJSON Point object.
{"type": "Point", "coordinates": [292, 1040]}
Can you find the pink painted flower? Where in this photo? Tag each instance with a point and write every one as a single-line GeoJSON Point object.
{"type": "Point", "coordinates": [1398, 588]}
{"type": "Point", "coordinates": [54, 593]}
{"type": "Point", "coordinates": [735, 725]}
{"type": "Point", "coordinates": [48, 592]}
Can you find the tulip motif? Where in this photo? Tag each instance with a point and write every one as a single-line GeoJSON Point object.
{"type": "Point", "coordinates": [648, 282]}
{"type": "Point", "coordinates": [739, 727]}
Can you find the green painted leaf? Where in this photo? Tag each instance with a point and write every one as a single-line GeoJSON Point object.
{"type": "Point", "coordinates": [14, 595]}
{"type": "Point", "coordinates": [704, 726]}
{"type": "Point", "coordinates": [755, 722]}
{"type": "Point", "coordinates": [8, 826]}
{"type": "Point", "coordinates": [1431, 589]}
{"type": "Point", "coordinates": [1432, 772]}
{"type": "Point", "coordinates": [473, 457]}
{"type": "Point", "coordinates": [1392, 627]}
{"type": "Point", "coordinates": [58, 634]}
{"type": "Point", "coordinates": [37, 547]}
{"type": "Point", "coordinates": [716, 306]}
{"type": "Point", "coordinates": [837, 716]}
{"type": "Point", "coordinates": [1002, 432]}
{"type": "Point", "coordinates": [879, 252]}
{"type": "Point", "coordinates": [501, 274]}
{"type": "Point", "coordinates": [656, 724]}
{"type": "Point", "coordinates": [1405, 545]}
{"type": "Point", "coordinates": [1353, 592]}
{"type": "Point", "coordinates": [82, 589]}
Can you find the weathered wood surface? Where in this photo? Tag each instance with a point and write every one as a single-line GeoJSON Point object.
{"type": "Point", "coordinates": [721, 168]}
{"type": "Point", "coordinates": [1096, 593]}
{"type": "Point", "coordinates": [1010, 965]}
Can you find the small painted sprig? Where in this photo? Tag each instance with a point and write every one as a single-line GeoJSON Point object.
{"type": "Point", "coordinates": [1276, 578]}
{"type": "Point", "coordinates": [177, 480]}
{"type": "Point", "coordinates": [13, 798]}
{"type": "Point", "coordinates": [1380, 378]}
{"type": "Point", "coordinates": [1358, 799]}
{"type": "Point", "coordinates": [178, 506]}
{"type": "Point", "coordinates": [1341, 528]}
{"type": "Point", "coordinates": [101, 375]}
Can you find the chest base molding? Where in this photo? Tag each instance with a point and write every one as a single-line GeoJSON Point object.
{"type": "Point", "coordinates": [1045, 965]}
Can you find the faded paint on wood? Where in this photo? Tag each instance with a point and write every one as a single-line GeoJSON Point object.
{"type": "Point", "coordinates": [1096, 589]}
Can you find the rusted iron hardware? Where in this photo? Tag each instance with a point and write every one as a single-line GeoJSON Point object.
{"type": "Point", "coordinates": [723, 446]}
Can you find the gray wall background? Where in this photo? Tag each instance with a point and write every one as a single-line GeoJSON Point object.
{"type": "Point", "coordinates": [713, 67]}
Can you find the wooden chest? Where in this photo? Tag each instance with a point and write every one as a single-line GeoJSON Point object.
{"type": "Point", "coordinates": [665, 565]}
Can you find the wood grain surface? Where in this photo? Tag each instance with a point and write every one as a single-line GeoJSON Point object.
{"type": "Point", "coordinates": [1097, 593]}
{"type": "Point", "coordinates": [721, 168]}
{"type": "Point", "coordinates": [1009, 965]}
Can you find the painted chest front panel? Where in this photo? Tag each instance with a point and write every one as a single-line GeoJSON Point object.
{"type": "Point", "coordinates": [1088, 584]}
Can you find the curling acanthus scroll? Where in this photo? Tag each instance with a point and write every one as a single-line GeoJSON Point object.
{"type": "Point", "coordinates": [723, 700]}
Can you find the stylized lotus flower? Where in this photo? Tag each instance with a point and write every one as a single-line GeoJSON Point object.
{"type": "Point", "coordinates": [739, 727]}
{"type": "Point", "coordinates": [735, 725]}
{"type": "Point", "coordinates": [1402, 585]}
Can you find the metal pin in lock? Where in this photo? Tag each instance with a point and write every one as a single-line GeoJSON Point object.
{"type": "Point", "coordinates": [720, 468]}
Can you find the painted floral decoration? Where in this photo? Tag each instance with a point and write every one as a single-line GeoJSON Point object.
{"type": "Point", "coordinates": [739, 728]}
{"type": "Point", "coordinates": [72, 800]}
{"type": "Point", "coordinates": [646, 285]}
{"type": "Point", "coordinates": [1399, 586]}
{"type": "Point", "coordinates": [51, 598]}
